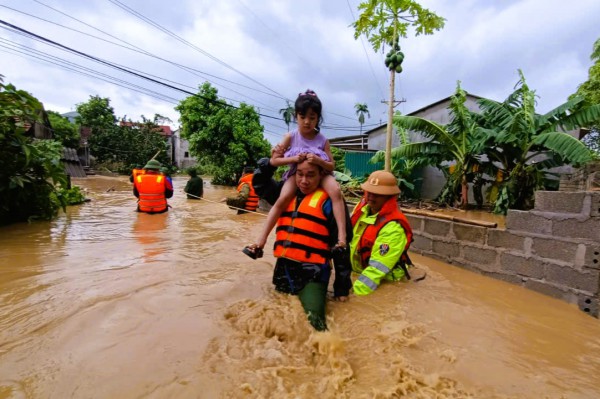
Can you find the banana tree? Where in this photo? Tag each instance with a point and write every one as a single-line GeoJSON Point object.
{"type": "Point", "coordinates": [525, 144]}
{"type": "Point", "coordinates": [455, 143]}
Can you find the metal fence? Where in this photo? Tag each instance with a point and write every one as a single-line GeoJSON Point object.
{"type": "Point", "coordinates": [358, 163]}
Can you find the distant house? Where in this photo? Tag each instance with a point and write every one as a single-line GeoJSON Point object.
{"type": "Point", "coordinates": [432, 178]}
{"type": "Point", "coordinates": [164, 130]}
{"type": "Point", "coordinates": [83, 152]}
{"type": "Point", "coordinates": [180, 151]}
{"type": "Point", "coordinates": [359, 142]}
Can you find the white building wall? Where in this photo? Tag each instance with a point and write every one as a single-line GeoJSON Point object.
{"type": "Point", "coordinates": [181, 155]}
{"type": "Point", "coordinates": [433, 178]}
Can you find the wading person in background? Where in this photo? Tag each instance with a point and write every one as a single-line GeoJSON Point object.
{"type": "Point", "coordinates": [381, 235]}
{"type": "Point", "coordinates": [306, 233]}
{"type": "Point", "coordinates": [152, 189]}
{"type": "Point", "coordinates": [246, 198]}
{"type": "Point", "coordinates": [137, 170]}
{"type": "Point", "coordinates": [195, 186]}
{"type": "Point", "coordinates": [165, 172]}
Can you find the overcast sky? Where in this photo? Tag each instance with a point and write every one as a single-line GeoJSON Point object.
{"type": "Point", "coordinates": [262, 52]}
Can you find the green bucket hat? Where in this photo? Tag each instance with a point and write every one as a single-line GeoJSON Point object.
{"type": "Point", "coordinates": [153, 164]}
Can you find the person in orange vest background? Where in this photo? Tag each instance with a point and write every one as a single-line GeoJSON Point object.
{"type": "Point", "coordinates": [152, 188]}
{"type": "Point", "coordinates": [137, 170]}
{"type": "Point", "coordinates": [246, 198]}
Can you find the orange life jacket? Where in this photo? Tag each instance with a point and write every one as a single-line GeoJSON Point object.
{"type": "Point", "coordinates": [389, 212]}
{"type": "Point", "coordinates": [151, 189]}
{"type": "Point", "coordinates": [302, 233]}
{"type": "Point", "coordinates": [137, 172]}
{"type": "Point", "coordinates": [252, 201]}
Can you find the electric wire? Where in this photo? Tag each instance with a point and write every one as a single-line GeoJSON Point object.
{"type": "Point", "coordinates": [115, 66]}
{"type": "Point", "coordinates": [189, 44]}
{"type": "Point", "coordinates": [139, 50]}
{"type": "Point", "coordinates": [366, 54]}
{"type": "Point", "coordinates": [139, 74]}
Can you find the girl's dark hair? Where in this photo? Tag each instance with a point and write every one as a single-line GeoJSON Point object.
{"type": "Point", "coordinates": [309, 100]}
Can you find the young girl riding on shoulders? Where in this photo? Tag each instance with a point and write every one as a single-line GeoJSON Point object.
{"type": "Point", "coordinates": [305, 142]}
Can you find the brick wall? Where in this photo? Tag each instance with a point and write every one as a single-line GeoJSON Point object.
{"type": "Point", "coordinates": [553, 249]}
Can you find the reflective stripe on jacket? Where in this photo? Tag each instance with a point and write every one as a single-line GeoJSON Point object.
{"type": "Point", "coordinates": [151, 189]}
{"type": "Point", "coordinates": [378, 246]}
{"type": "Point", "coordinates": [252, 201]}
{"type": "Point", "coordinates": [137, 172]}
{"type": "Point", "coordinates": [302, 230]}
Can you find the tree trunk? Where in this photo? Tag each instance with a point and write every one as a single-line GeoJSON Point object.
{"type": "Point", "coordinates": [388, 137]}
{"type": "Point", "coordinates": [464, 192]}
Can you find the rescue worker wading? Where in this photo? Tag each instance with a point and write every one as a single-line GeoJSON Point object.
{"type": "Point", "coordinates": [246, 198]}
{"type": "Point", "coordinates": [138, 170]}
{"type": "Point", "coordinates": [152, 188]}
{"type": "Point", "coordinates": [381, 235]}
{"type": "Point", "coordinates": [306, 232]}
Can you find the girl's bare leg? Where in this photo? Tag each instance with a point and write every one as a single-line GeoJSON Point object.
{"type": "Point", "coordinates": [331, 186]}
{"type": "Point", "coordinates": [287, 193]}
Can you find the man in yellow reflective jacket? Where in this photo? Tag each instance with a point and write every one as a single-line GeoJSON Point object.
{"type": "Point", "coordinates": [381, 235]}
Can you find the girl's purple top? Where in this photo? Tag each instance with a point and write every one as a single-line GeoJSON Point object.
{"type": "Point", "coordinates": [300, 145]}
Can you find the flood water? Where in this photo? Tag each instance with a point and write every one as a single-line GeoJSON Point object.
{"type": "Point", "coordinates": [105, 302]}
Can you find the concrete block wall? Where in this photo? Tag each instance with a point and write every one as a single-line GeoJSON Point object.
{"type": "Point", "coordinates": [586, 178]}
{"type": "Point", "coordinates": [553, 249]}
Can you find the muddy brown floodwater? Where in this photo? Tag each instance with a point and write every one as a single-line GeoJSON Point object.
{"type": "Point", "coordinates": [104, 302]}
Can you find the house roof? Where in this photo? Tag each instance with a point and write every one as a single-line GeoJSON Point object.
{"type": "Point", "coordinates": [420, 110]}
{"type": "Point", "coordinates": [165, 130]}
{"type": "Point", "coordinates": [358, 142]}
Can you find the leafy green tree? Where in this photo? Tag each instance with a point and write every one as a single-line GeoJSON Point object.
{"type": "Point", "coordinates": [222, 135]}
{"type": "Point", "coordinates": [361, 110]}
{"type": "Point", "coordinates": [526, 144]}
{"type": "Point", "coordinates": [30, 169]}
{"type": "Point", "coordinates": [590, 91]}
{"type": "Point", "coordinates": [120, 148]}
{"type": "Point", "coordinates": [455, 142]}
{"type": "Point", "coordinates": [96, 114]}
{"type": "Point", "coordinates": [123, 147]}
{"type": "Point", "coordinates": [288, 114]}
{"type": "Point", "coordinates": [383, 22]}
{"type": "Point", "coordinates": [63, 130]}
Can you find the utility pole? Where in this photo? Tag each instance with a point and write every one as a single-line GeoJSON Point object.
{"type": "Point", "coordinates": [396, 102]}
{"type": "Point", "coordinates": [388, 137]}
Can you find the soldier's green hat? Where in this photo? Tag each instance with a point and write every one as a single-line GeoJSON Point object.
{"type": "Point", "coordinates": [153, 164]}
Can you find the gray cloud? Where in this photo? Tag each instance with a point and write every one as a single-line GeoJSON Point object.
{"type": "Point", "coordinates": [283, 48]}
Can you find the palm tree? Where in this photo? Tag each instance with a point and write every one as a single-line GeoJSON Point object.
{"type": "Point", "coordinates": [455, 142]}
{"type": "Point", "coordinates": [526, 144]}
{"type": "Point", "coordinates": [361, 110]}
{"type": "Point", "coordinates": [287, 113]}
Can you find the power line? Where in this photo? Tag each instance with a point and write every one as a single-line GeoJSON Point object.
{"type": "Point", "coordinates": [95, 74]}
{"type": "Point", "coordinates": [187, 43]}
{"type": "Point", "coordinates": [137, 49]}
{"type": "Point", "coordinates": [141, 74]}
{"type": "Point", "coordinates": [115, 66]}
{"type": "Point", "coordinates": [366, 54]}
